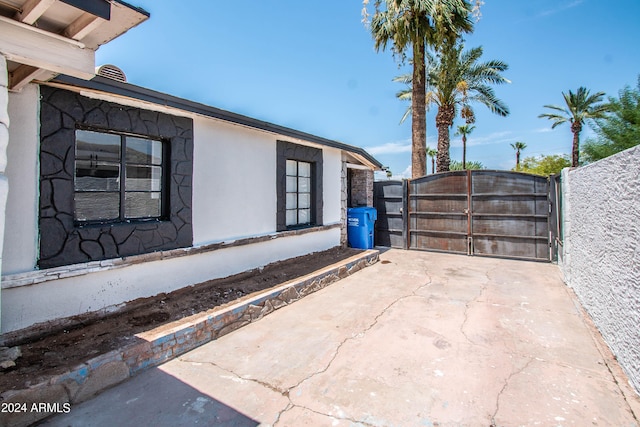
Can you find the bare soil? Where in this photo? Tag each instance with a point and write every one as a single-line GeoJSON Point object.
{"type": "Point", "coordinates": [53, 349]}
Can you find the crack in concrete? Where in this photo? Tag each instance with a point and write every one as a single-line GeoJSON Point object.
{"type": "Point", "coordinates": [286, 393]}
{"type": "Point", "coordinates": [362, 333]}
{"type": "Point", "coordinates": [506, 383]}
{"type": "Point", "coordinates": [467, 305]}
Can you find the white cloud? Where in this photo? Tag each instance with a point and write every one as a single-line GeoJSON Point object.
{"type": "Point", "coordinates": [396, 147]}
{"type": "Point", "coordinates": [560, 8]}
{"type": "Point", "coordinates": [543, 130]}
{"type": "Point", "coordinates": [493, 138]}
{"type": "Point", "coordinates": [382, 176]}
{"type": "Point", "coordinates": [390, 148]}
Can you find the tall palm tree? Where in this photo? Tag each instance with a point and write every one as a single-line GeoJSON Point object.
{"type": "Point", "coordinates": [432, 152]}
{"type": "Point", "coordinates": [518, 146]}
{"type": "Point", "coordinates": [464, 130]}
{"type": "Point", "coordinates": [581, 107]}
{"type": "Point", "coordinates": [456, 79]}
{"type": "Point", "coordinates": [415, 24]}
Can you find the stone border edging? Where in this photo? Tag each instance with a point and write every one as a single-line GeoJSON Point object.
{"type": "Point", "coordinates": [166, 342]}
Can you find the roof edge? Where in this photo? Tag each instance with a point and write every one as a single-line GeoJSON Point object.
{"type": "Point", "coordinates": [129, 90]}
{"type": "Point", "coordinates": [136, 8]}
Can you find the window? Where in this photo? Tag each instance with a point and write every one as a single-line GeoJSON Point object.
{"type": "Point", "coordinates": [117, 177]}
{"type": "Point", "coordinates": [299, 193]}
{"type": "Point", "coordinates": [298, 186]}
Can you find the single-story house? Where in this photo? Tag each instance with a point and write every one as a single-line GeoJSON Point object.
{"type": "Point", "coordinates": [115, 192]}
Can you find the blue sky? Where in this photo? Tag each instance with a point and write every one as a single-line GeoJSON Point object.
{"type": "Point", "coordinates": [311, 66]}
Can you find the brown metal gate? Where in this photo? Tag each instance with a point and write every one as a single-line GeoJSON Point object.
{"type": "Point", "coordinates": [486, 213]}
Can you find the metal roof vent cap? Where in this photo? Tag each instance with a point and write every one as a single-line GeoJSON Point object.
{"type": "Point", "coordinates": [111, 72]}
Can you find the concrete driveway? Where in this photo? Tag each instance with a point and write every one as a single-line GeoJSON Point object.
{"type": "Point", "coordinates": [418, 339]}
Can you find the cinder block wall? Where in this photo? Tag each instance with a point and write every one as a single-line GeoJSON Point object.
{"type": "Point", "coordinates": [601, 259]}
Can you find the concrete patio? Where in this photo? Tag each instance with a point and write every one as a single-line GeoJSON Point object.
{"type": "Point", "coordinates": [418, 339]}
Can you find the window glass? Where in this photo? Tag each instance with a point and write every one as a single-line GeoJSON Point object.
{"type": "Point", "coordinates": [304, 185]}
{"type": "Point", "coordinates": [97, 206]}
{"type": "Point", "coordinates": [304, 216]}
{"type": "Point", "coordinates": [292, 217]}
{"type": "Point", "coordinates": [142, 205]}
{"type": "Point", "coordinates": [304, 169]}
{"type": "Point", "coordinates": [99, 171]}
{"type": "Point", "coordinates": [298, 193]}
{"type": "Point", "coordinates": [304, 200]}
{"type": "Point", "coordinates": [144, 151]}
{"type": "Point", "coordinates": [292, 184]}
{"type": "Point", "coordinates": [292, 201]}
{"type": "Point", "coordinates": [97, 176]}
{"type": "Point", "coordinates": [143, 178]}
{"type": "Point", "coordinates": [292, 168]}
{"type": "Point", "coordinates": [97, 146]}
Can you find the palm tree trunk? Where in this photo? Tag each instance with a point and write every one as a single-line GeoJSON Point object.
{"type": "Point", "coordinates": [464, 151]}
{"type": "Point", "coordinates": [433, 165]}
{"type": "Point", "coordinates": [444, 120]}
{"type": "Point", "coordinates": [576, 128]}
{"type": "Point", "coordinates": [419, 113]}
{"type": "Point", "coordinates": [517, 160]}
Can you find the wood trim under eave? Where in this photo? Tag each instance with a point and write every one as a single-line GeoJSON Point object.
{"type": "Point", "coordinates": [82, 26]}
{"type": "Point", "coordinates": [33, 10]}
{"type": "Point", "coordinates": [31, 46]}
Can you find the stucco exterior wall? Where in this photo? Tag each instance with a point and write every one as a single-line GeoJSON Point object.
{"type": "Point", "coordinates": [601, 251]}
{"type": "Point", "coordinates": [234, 178]}
{"type": "Point", "coordinates": [234, 197]}
{"type": "Point", "coordinates": [21, 234]}
{"type": "Point", "coordinates": [23, 306]}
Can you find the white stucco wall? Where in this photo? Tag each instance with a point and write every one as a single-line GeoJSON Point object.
{"type": "Point", "coordinates": [332, 185]}
{"type": "Point", "coordinates": [27, 305]}
{"type": "Point", "coordinates": [21, 233]}
{"type": "Point", "coordinates": [601, 260]}
{"type": "Point", "coordinates": [234, 184]}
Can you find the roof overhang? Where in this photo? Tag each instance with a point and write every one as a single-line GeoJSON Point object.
{"type": "Point", "coordinates": [99, 84]}
{"type": "Point", "coordinates": [43, 38]}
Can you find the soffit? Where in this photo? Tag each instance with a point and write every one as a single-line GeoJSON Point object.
{"type": "Point", "coordinates": [90, 22]}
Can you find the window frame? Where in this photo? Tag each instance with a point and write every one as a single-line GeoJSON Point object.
{"type": "Point", "coordinates": [297, 192]}
{"type": "Point", "coordinates": [300, 153]}
{"type": "Point", "coordinates": [122, 163]}
{"type": "Point", "coordinates": [62, 240]}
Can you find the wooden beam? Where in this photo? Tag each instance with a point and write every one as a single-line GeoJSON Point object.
{"type": "Point", "coordinates": [82, 26]}
{"type": "Point", "coordinates": [25, 74]}
{"type": "Point", "coordinates": [32, 10]}
{"type": "Point", "coordinates": [40, 49]}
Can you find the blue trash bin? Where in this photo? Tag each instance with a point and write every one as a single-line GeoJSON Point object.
{"type": "Point", "coordinates": [360, 225]}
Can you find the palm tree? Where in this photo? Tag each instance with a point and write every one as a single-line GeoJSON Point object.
{"type": "Point", "coordinates": [432, 152]}
{"type": "Point", "coordinates": [415, 24]}
{"type": "Point", "coordinates": [464, 130]}
{"type": "Point", "coordinates": [518, 146]}
{"type": "Point", "coordinates": [455, 80]}
{"type": "Point", "coordinates": [581, 107]}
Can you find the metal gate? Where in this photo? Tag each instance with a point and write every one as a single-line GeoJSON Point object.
{"type": "Point", "coordinates": [486, 213]}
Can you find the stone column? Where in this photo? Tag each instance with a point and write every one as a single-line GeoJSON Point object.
{"type": "Point", "coordinates": [4, 141]}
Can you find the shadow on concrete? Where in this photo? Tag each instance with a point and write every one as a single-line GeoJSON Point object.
{"type": "Point", "coordinates": [155, 398]}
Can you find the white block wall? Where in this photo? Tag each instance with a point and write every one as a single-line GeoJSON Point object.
{"type": "Point", "coordinates": [601, 260]}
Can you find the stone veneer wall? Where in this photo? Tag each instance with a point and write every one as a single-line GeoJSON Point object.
{"type": "Point", "coordinates": [65, 242]}
{"type": "Point", "coordinates": [361, 187]}
{"type": "Point", "coordinates": [601, 250]}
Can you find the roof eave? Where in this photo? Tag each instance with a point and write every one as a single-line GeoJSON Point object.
{"type": "Point", "coordinates": [129, 90]}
